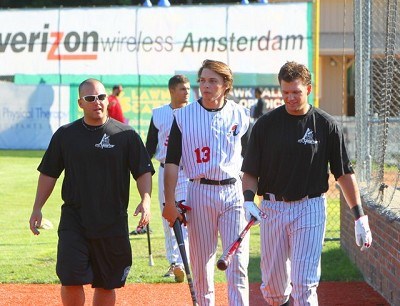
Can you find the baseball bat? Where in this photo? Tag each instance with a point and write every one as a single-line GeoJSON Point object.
{"type": "Point", "coordinates": [151, 262]}
{"type": "Point", "coordinates": [225, 259]}
{"type": "Point", "coordinates": [181, 243]}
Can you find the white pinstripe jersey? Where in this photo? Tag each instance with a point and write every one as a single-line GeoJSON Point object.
{"type": "Point", "coordinates": [211, 141]}
{"type": "Point", "coordinates": [162, 120]}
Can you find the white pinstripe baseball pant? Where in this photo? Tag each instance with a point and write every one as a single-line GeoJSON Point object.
{"type": "Point", "coordinates": [217, 209]}
{"type": "Point", "coordinates": [291, 244]}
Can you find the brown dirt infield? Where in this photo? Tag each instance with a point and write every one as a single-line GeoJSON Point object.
{"type": "Point", "coordinates": [329, 294]}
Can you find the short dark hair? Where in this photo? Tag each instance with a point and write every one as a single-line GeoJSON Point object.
{"type": "Point", "coordinates": [221, 69]}
{"type": "Point", "coordinates": [177, 79]}
{"type": "Point", "coordinates": [87, 82]}
{"type": "Point", "coordinates": [258, 90]}
{"type": "Point", "coordinates": [292, 71]}
{"type": "Point", "coordinates": [116, 87]}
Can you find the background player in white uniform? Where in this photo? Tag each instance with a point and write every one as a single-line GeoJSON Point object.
{"type": "Point", "coordinates": [286, 162]}
{"type": "Point", "coordinates": [206, 137]}
{"type": "Point", "coordinates": [156, 145]}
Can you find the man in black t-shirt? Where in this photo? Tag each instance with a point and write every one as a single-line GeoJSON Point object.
{"type": "Point", "coordinates": [286, 163]}
{"type": "Point", "coordinates": [97, 154]}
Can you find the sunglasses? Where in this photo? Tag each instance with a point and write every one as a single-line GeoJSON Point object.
{"type": "Point", "coordinates": [92, 98]}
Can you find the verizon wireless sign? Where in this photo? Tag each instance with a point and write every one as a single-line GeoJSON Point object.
{"type": "Point", "coordinates": [157, 40]}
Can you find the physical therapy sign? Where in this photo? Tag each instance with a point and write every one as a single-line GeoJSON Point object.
{"type": "Point", "coordinates": [154, 41]}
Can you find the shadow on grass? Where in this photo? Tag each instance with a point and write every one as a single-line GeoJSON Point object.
{"type": "Point", "coordinates": [336, 266]}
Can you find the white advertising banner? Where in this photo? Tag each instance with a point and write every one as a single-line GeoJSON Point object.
{"type": "Point", "coordinates": [154, 41]}
{"type": "Point", "coordinates": [29, 115]}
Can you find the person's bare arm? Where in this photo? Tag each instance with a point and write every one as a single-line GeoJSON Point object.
{"type": "Point", "coordinates": [351, 192]}
{"type": "Point", "coordinates": [144, 186]}
{"type": "Point", "coordinates": [249, 182]}
{"type": "Point", "coordinates": [44, 189]}
{"type": "Point", "coordinates": [349, 186]}
{"type": "Point", "coordinates": [170, 212]}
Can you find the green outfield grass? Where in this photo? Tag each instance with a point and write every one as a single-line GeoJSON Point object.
{"type": "Point", "coordinates": [26, 258]}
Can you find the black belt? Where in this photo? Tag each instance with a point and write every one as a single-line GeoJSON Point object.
{"type": "Point", "coordinates": [269, 197]}
{"type": "Point", "coordinates": [205, 181]}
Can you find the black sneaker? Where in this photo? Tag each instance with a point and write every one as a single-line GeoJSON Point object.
{"type": "Point", "coordinates": [170, 272]}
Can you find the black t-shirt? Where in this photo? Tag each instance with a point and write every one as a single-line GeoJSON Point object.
{"type": "Point", "coordinates": [290, 154]}
{"type": "Point", "coordinates": [97, 166]}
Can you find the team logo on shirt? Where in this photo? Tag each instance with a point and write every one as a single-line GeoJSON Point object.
{"type": "Point", "coordinates": [308, 138]}
{"type": "Point", "coordinates": [234, 130]}
{"type": "Point", "coordinates": [104, 143]}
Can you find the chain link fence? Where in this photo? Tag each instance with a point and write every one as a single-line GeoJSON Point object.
{"type": "Point", "coordinates": [377, 86]}
{"type": "Point", "coordinates": [373, 135]}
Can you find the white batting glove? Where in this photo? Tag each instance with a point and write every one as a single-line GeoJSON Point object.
{"type": "Point", "coordinates": [252, 210]}
{"type": "Point", "coordinates": [363, 233]}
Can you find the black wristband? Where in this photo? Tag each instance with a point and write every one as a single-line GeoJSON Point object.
{"type": "Point", "coordinates": [357, 211]}
{"type": "Point", "coordinates": [248, 195]}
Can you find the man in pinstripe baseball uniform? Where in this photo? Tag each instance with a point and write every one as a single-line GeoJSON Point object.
{"type": "Point", "coordinates": [286, 162]}
{"type": "Point", "coordinates": [206, 138]}
{"type": "Point", "coordinates": [156, 145]}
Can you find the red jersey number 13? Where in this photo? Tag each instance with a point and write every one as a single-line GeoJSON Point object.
{"type": "Point", "coordinates": [202, 155]}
